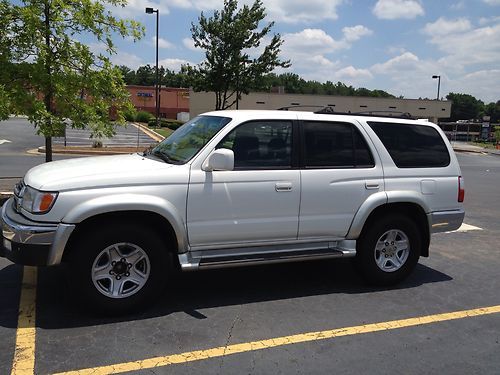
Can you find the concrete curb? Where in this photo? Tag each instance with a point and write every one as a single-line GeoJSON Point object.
{"type": "Point", "coordinates": [457, 149]}
{"type": "Point", "coordinates": [90, 151]}
{"type": "Point", "coordinates": [156, 136]}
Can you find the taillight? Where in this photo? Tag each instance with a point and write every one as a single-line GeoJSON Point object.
{"type": "Point", "coordinates": [461, 189]}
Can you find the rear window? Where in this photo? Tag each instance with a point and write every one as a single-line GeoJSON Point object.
{"type": "Point", "coordinates": [412, 145]}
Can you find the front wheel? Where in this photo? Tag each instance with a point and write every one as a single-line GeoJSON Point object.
{"type": "Point", "coordinates": [388, 250]}
{"type": "Point", "coordinates": [118, 269]}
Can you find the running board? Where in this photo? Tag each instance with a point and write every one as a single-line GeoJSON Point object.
{"type": "Point", "coordinates": [223, 260]}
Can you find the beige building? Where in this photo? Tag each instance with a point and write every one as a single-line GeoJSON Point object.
{"type": "Point", "coordinates": [200, 102]}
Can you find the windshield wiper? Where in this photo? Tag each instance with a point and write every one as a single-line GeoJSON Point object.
{"type": "Point", "coordinates": [165, 157]}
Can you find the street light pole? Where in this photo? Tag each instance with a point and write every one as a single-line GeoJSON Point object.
{"type": "Point", "coordinates": [157, 83]}
{"type": "Point", "coordinates": [439, 84]}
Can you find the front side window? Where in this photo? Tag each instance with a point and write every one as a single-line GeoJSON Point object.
{"type": "Point", "coordinates": [260, 145]}
{"type": "Point", "coordinates": [190, 138]}
{"type": "Point", "coordinates": [412, 145]}
{"type": "Point", "coordinates": [335, 145]}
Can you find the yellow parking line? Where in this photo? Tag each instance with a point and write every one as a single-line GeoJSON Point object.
{"type": "Point", "coordinates": [280, 341]}
{"type": "Point", "coordinates": [24, 355]}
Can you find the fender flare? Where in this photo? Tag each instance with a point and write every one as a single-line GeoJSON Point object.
{"type": "Point", "coordinates": [131, 202]}
{"type": "Point", "coordinates": [379, 199]}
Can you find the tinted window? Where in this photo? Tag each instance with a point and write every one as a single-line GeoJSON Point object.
{"type": "Point", "coordinates": [412, 146]}
{"type": "Point", "coordinates": [329, 144]}
{"type": "Point", "coordinates": [260, 144]}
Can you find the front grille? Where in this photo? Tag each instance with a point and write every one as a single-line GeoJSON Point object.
{"type": "Point", "coordinates": [18, 195]}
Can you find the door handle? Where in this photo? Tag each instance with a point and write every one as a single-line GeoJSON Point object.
{"type": "Point", "coordinates": [371, 186]}
{"type": "Point", "coordinates": [283, 186]}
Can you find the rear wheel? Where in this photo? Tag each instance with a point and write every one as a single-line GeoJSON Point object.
{"type": "Point", "coordinates": [122, 268]}
{"type": "Point", "coordinates": [388, 250]}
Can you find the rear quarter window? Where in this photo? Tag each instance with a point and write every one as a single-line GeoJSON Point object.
{"type": "Point", "coordinates": [412, 145]}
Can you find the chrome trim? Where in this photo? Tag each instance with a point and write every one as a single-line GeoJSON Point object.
{"type": "Point", "coordinates": [193, 260]}
{"type": "Point", "coordinates": [446, 221]}
{"type": "Point", "coordinates": [54, 235]}
{"type": "Point", "coordinates": [33, 234]}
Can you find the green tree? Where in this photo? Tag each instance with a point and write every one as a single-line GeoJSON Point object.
{"type": "Point", "coordinates": [464, 106]}
{"type": "Point", "coordinates": [493, 110]}
{"type": "Point", "coordinates": [53, 77]}
{"type": "Point", "coordinates": [227, 37]}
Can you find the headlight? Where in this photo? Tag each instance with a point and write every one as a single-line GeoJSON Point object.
{"type": "Point", "coordinates": [37, 202]}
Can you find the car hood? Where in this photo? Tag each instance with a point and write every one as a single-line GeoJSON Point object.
{"type": "Point", "coordinates": [116, 170]}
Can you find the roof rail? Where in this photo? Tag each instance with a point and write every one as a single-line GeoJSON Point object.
{"type": "Point", "coordinates": [391, 114]}
{"type": "Point", "coordinates": [286, 108]}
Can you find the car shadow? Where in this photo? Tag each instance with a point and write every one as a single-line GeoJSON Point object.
{"type": "Point", "coordinates": [57, 306]}
{"type": "Point", "coordinates": [10, 290]}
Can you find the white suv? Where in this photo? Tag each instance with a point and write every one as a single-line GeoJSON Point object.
{"type": "Point", "coordinates": [235, 188]}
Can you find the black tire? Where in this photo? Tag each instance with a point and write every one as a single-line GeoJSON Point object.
{"type": "Point", "coordinates": [368, 257]}
{"type": "Point", "coordinates": [87, 254]}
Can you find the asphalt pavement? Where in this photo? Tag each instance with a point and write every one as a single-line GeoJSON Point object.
{"type": "Point", "coordinates": [221, 308]}
{"type": "Point", "coordinates": [17, 136]}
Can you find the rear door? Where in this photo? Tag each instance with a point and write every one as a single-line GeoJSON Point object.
{"type": "Point", "coordinates": [339, 171]}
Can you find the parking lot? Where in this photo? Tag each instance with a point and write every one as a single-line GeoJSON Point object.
{"type": "Point", "coordinates": [307, 318]}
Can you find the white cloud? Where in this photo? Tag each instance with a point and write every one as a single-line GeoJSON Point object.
{"type": "Point", "coordinates": [444, 26]}
{"type": "Point", "coordinates": [481, 84]}
{"type": "Point", "coordinates": [136, 9]}
{"type": "Point", "coordinates": [351, 74]}
{"type": "Point", "coordinates": [458, 6]}
{"type": "Point", "coordinates": [289, 11]}
{"type": "Point", "coordinates": [310, 41]}
{"type": "Point", "coordinates": [353, 33]}
{"type": "Point", "coordinates": [162, 43]}
{"type": "Point", "coordinates": [487, 20]}
{"type": "Point", "coordinates": [492, 2]}
{"type": "Point", "coordinates": [478, 46]}
{"type": "Point", "coordinates": [405, 62]}
{"type": "Point", "coordinates": [174, 64]}
{"type": "Point", "coordinates": [396, 9]}
{"type": "Point", "coordinates": [189, 44]}
{"type": "Point", "coordinates": [300, 11]}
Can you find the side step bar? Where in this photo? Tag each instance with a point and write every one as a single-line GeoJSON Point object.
{"type": "Point", "coordinates": [221, 261]}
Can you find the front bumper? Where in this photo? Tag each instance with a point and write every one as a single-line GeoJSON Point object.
{"type": "Point", "coordinates": [31, 243]}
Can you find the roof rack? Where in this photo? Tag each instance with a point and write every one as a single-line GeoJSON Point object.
{"type": "Point", "coordinates": [392, 114]}
{"type": "Point", "coordinates": [298, 106]}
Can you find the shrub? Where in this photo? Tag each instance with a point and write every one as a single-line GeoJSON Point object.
{"type": "Point", "coordinates": [143, 116]}
{"type": "Point", "coordinates": [174, 125]}
{"type": "Point", "coordinates": [129, 115]}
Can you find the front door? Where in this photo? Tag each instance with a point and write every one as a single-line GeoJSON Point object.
{"type": "Point", "coordinates": [258, 201]}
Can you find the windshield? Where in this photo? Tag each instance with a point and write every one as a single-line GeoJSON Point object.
{"type": "Point", "coordinates": [186, 141]}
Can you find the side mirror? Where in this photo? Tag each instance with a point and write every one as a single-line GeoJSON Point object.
{"type": "Point", "coordinates": [219, 160]}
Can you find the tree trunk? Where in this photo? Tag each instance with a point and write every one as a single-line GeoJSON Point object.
{"type": "Point", "coordinates": [48, 149]}
{"type": "Point", "coordinates": [48, 93]}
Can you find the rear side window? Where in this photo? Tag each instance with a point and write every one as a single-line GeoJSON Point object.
{"type": "Point", "coordinates": [411, 145]}
{"type": "Point", "coordinates": [335, 145]}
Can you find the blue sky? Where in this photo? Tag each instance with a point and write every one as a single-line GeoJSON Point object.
{"type": "Point", "coordinates": [393, 45]}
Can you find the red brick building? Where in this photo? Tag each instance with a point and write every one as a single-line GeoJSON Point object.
{"type": "Point", "coordinates": [172, 100]}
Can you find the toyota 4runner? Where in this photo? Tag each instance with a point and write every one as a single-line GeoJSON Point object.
{"type": "Point", "coordinates": [233, 188]}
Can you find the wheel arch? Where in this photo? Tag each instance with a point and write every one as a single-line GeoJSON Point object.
{"type": "Point", "coordinates": [142, 217]}
{"type": "Point", "coordinates": [410, 209]}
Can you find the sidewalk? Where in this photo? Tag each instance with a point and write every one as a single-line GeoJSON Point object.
{"type": "Point", "coordinates": [467, 147]}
